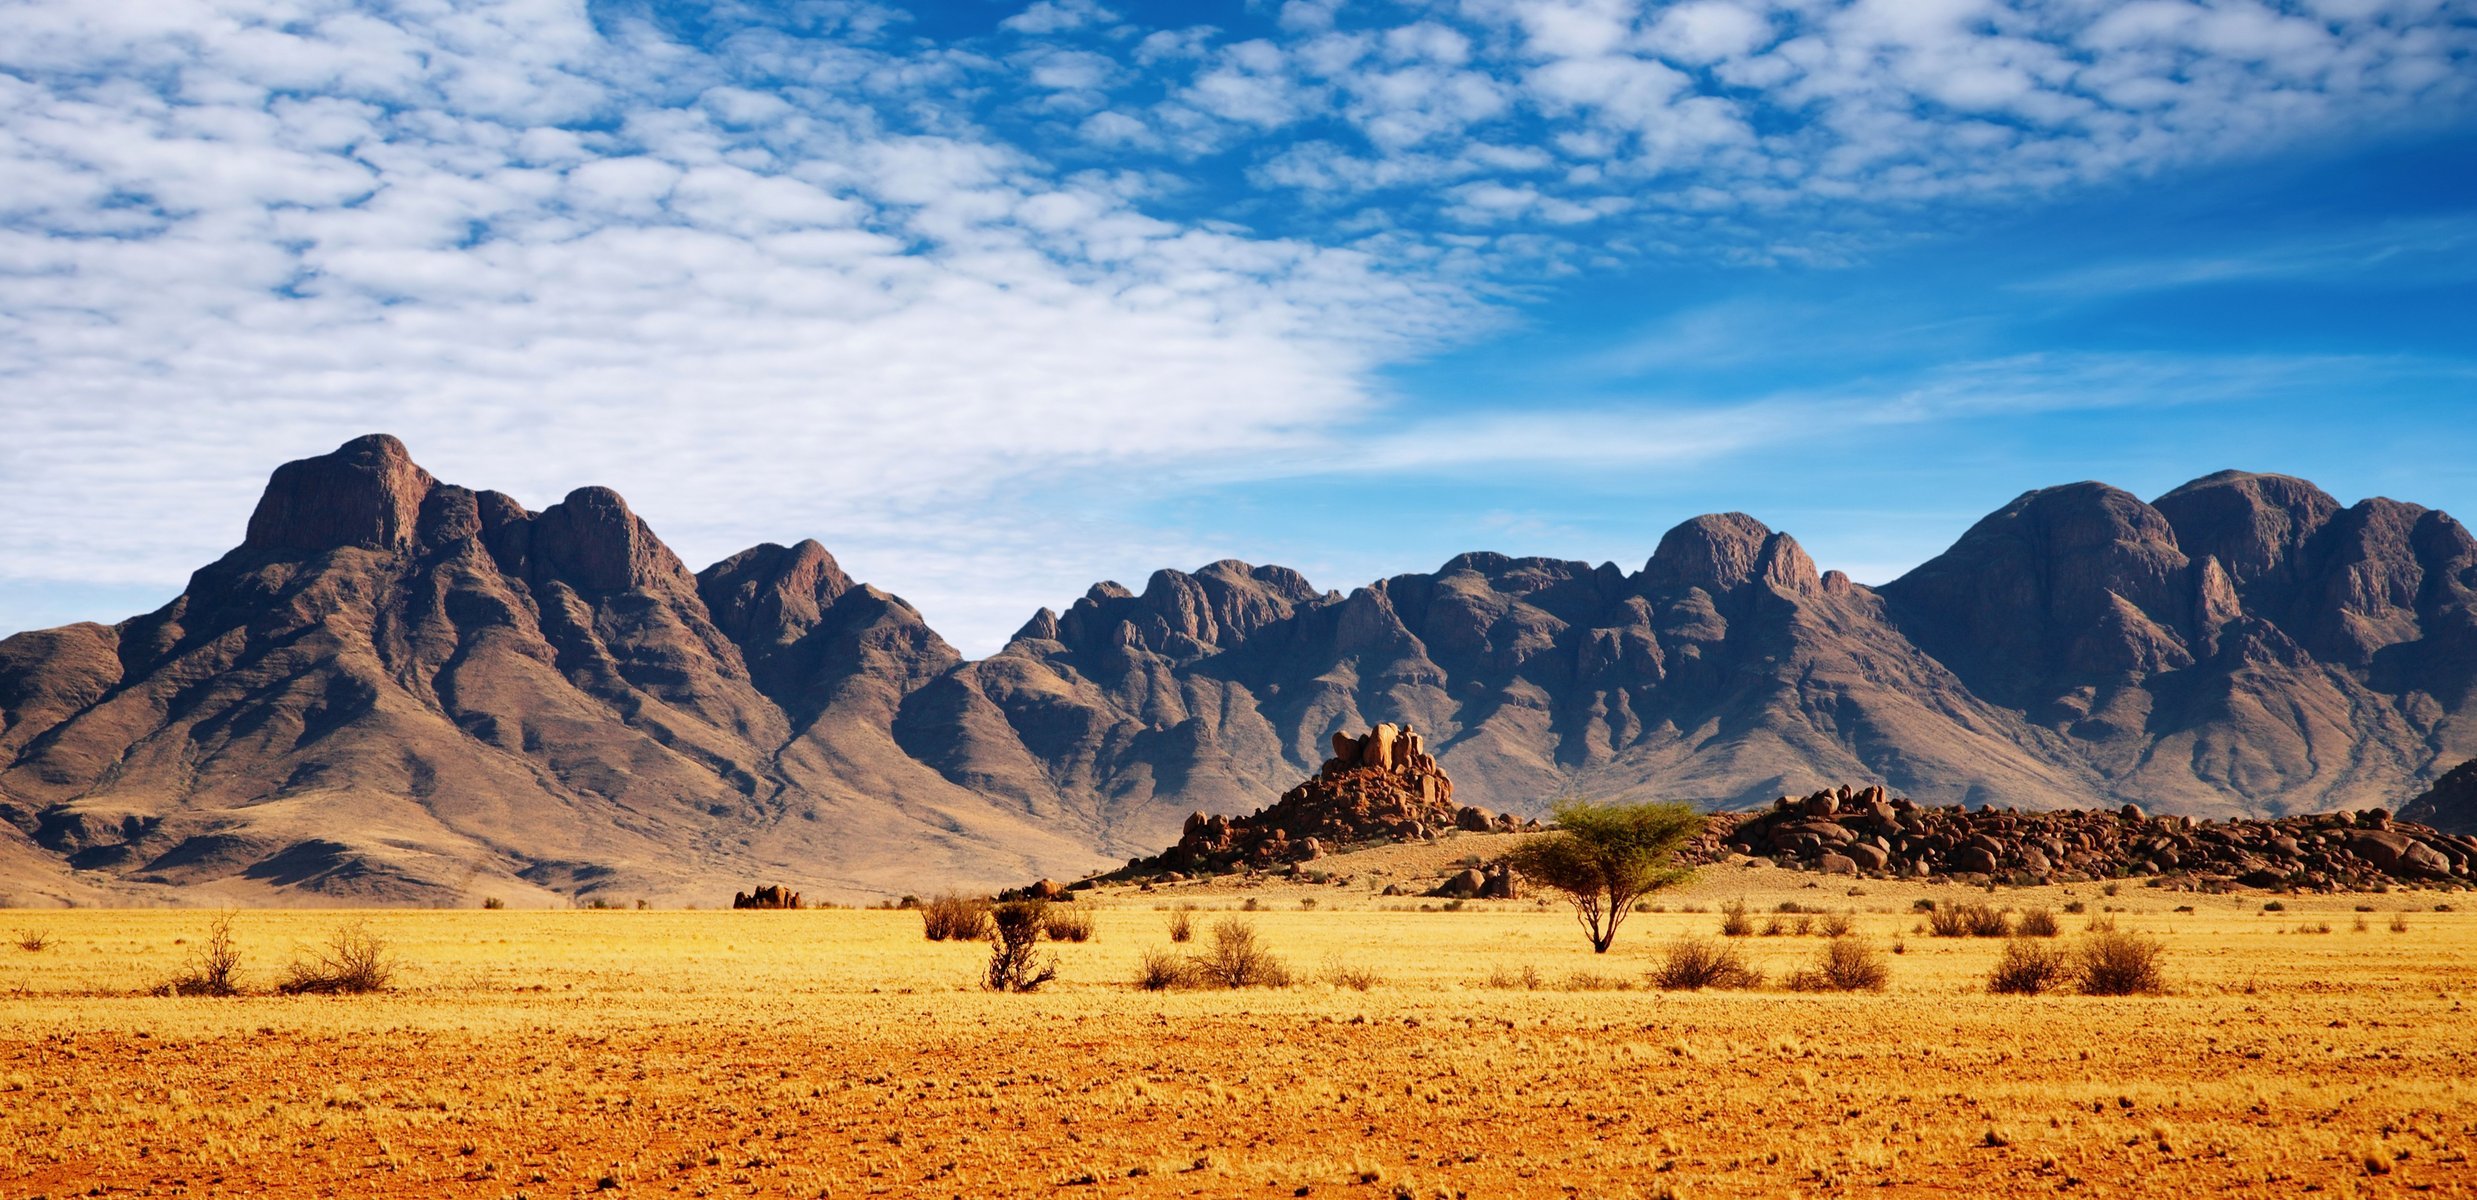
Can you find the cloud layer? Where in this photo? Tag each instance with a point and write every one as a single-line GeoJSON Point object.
{"type": "Point", "coordinates": [779, 277]}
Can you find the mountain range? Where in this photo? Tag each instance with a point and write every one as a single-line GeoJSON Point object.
{"type": "Point", "coordinates": [398, 690]}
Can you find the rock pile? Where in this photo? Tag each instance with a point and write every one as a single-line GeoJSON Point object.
{"type": "Point", "coordinates": [1380, 786]}
{"type": "Point", "coordinates": [1867, 832]}
{"type": "Point", "coordinates": [769, 896]}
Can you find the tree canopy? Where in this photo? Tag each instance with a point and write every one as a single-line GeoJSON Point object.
{"type": "Point", "coordinates": [1604, 857]}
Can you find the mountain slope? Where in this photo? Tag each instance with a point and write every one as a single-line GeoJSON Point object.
{"type": "Point", "coordinates": [400, 690]}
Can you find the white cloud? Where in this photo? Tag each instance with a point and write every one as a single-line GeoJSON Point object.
{"type": "Point", "coordinates": [761, 315]}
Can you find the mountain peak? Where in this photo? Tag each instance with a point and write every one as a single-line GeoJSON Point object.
{"type": "Point", "coordinates": [1721, 552]}
{"type": "Point", "coordinates": [367, 493]}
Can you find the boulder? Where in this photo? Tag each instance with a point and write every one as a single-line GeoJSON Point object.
{"type": "Point", "coordinates": [1836, 864]}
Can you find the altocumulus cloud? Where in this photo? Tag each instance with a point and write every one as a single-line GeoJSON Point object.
{"type": "Point", "coordinates": [818, 275]}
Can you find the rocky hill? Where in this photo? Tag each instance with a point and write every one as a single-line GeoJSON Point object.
{"type": "Point", "coordinates": [397, 689]}
{"type": "Point", "coordinates": [2451, 804]}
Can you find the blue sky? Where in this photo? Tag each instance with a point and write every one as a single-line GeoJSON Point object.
{"type": "Point", "coordinates": [996, 299]}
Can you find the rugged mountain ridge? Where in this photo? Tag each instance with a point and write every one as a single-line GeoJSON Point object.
{"type": "Point", "coordinates": [399, 689]}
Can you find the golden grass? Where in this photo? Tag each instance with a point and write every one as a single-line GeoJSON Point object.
{"type": "Point", "coordinates": [839, 1053]}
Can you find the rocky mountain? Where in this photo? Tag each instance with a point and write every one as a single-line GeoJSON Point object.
{"type": "Point", "coordinates": [398, 689]}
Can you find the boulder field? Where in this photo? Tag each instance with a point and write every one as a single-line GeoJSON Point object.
{"type": "Point", "coordinates": [1867, 832]}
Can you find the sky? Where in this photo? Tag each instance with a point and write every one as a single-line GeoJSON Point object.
{"type": "Point", "coordinates": [998, 299]}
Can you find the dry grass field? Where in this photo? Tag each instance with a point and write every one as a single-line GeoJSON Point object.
{"type": "Point", "coordinates": [837, 1053]}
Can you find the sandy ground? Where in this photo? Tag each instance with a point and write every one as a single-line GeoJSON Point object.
{"type": "Point", "coordinates": [836, 1053]}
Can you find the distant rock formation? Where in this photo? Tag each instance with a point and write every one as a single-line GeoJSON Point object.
{"type": "Point", "coordinates": [1868, 832]}
{"type": "Point", "coordinates": [1379, 786]}
{"type": "Point", "coordinates": [769, 896]}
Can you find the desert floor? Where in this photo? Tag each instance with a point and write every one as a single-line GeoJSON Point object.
{"type": "Point", "coordinates": [837, 1053]}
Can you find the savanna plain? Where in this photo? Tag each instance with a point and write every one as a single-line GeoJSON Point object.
{"type": "Point", "coordinates": [2323, 1045]}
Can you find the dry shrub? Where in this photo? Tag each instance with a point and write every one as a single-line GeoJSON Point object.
{"type": "Point", "coordinates": [2399, 922]}
{"type": "Point", "coordinates": [1527, 979]}
{"type": "Point", "coordinates": [32, 940]}
{"type": "Point", "coordinates": [1014, 932]}
{"type": "Point", "coordinates": [1692, 964]}
{"type": "Point", "coordinates": [1068, 923]}
{"type": "Point", "coordinates": [1357, 979]}
{"type": "Point", "coordinates": [353, 962]}
{"type": "Point", "coordinates": [1237, 960]}
{"type": "Point", "coordinates": [1734, 922]}
{"type": "Point", "coordinates": [1182, 924]}
{"type": "Point", "coordinates": [1839, 924]}
{"type": "Point", "coordinates": [955, 918]}
{"type": "Point", "coordinates": [2108, 963]}
{"type": "Point", "coordinates": [1986, 922]}
{"type": "Point", "coordinates": [1774, 927]}
{"type": "Point", "coordinates": [211, 965]}
{"type": "Point", "coordinates": [1845, 965]}
{"type": "Point", "coordinates": [2038, 922]}
{"type": "Point", "coordinates": [1948, 921]}
{"type": "Point", "coordinates": [2028, 967]}
{"type": "Point", "coordinates": [1160, 970]}
{"type": "Point", "coordinates": [1593, 981]}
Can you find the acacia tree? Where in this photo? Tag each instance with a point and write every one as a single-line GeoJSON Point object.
{"type": "Point", "coordinates": [1604, 857]}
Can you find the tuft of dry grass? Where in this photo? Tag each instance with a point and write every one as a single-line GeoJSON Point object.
{"type": "Point", "coordinates": [1238, 959]}
{"type": "Point", "coordinates": [1160, 970]}
{"type": "Point", "coordinates": [1735, 920]}
{"type": "Point", "coordinates": [1691, 964]}
{"type": "Point", "coordinates": [354, 961]}
{"type": "Point", "coordinates": [2038, 922]}
{"type": "Point", "coordinates": [1182, 924]}
{"type": "Point", "coordinates": [955, 918]}
{"type": "Point", "coordinates": [1068, 923]}
{"type": "Point", "coordinates": [33, 940]}
{"type": "Point", "coordinates": [2028, 967]}
{"type": "Point", "coordinates": [1845, 965]}
{"type": "Point", "coordinates": [2110, 963]}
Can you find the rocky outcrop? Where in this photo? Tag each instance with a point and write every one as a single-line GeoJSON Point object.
{"type": "Point", "coordinates": [1380, 786]}
{"type": "Point", "coordinates": [1868, 832]}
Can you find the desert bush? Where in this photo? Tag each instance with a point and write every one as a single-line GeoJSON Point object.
{"type": "Point", "coordinates": [1791, 908]}
{"type": "Point", "coordinates": [2274, 906]}
{"type": "Point", "coordinates": [1182, 925]}
{"type": "Point", "coordinates": [1923, 904]}
{"type": "Point", "coordinates": [1504, 979]}
{"type": "Point", "coordinates": [1593, 981]}
{"type": "Point", "coordinates": [1802, 926]}
{"type": "Point", "coordinates": [211, 965]}
{"type": "Point", "coordinates": [1357, 979]}
{"type": "Point", "coordinates": [1015, 964]}
{"type": "Point", "coordinates": [493, 903]}
{"type": "Point", "coordinates": [2037, 922]}
{"type": "Point", "coordinates": [1160, 970]}
{"type": "Point", "coordinates": [2028, 967]}
{"type": "Point", "coordinates": [32, 940]}
{"type": "Point", "coordinates": [1068, 923]}
{"type": "Point", "coordinates": [354, 961]}
{"type": "Point", "coordinates": [1839, 924]}
{"type": "Point", "coordinates": [2399, 922]}
{"type": "Point", "coordinates": [1948, 921]}
{"type": "Point", "coordinates": [2076, 907]}
{"type": "Point", "coordinates": [1734, 922]}
{"type": "Point", "coordinates": [1845, 965]}
{"type": "Point", "coordinates": [955, 918]}
{"type": "Point", "coordinates": [1774, 927]}
{"type": "Point", "coordinates": [1986, 922]}
{"type": "Point", "coordinates": [1236, 959]}
{"type": "Point", "coordinates": [1692, 964]}
{"type": "Point", "coordinates": [2108, 963]}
